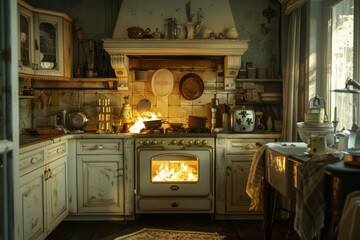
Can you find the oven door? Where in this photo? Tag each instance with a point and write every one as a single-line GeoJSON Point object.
{"type": "Point", "coordinates": [174, 172]}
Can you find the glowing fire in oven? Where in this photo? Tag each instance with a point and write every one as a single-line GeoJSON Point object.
{"type": "Point", "coordinates": [175, 171]}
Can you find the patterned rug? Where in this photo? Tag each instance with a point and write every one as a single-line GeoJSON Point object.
{"type": "Point", "coordinates": [163, 234]}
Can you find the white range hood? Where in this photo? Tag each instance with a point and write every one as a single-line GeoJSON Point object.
{"type": "Point", "coordinates": [120, 47]}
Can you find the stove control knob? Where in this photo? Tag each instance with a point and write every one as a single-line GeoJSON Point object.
{"type": "Point", "coordinates": [191, 142]}
{"type": "Point", "coordinates": [205, 142]}
{"type": "Point", "coordinates": [141, 142]}
{"type": "Point", "coordinates": [146, 142]}
{"type": "Point", "coordinates": [197, 142]}
{"type": "Point", "coordinates": [155, 142]}
{"type": "Point", "coordinates": [174, 142]}
{"type": "Point", "coordinates": [182, 142]}
{"type": "Point", "coordinates": [163, 142]}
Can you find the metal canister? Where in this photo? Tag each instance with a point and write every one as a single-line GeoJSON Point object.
{"type": "Point", "coordinates": [172, 29]}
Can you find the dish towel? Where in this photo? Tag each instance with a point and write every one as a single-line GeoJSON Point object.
{"type": "Point", "coordinates": [253, 186]}
{"type": "Point", "coordinates": [350, 217]}
{"type": "Point", "coordinates": [310, 207]}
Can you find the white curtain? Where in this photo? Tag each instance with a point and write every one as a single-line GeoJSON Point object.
{"type": "Point", "coordinates": [291, 5]}
{"type": "Point", "coordinates": [291, 75]}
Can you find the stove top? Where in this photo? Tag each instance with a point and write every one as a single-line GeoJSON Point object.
{"type": "Point", "coordinates": [166, 131]}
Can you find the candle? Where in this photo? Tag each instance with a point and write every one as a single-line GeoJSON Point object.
{"type": "Point", "coordinates": [335, 113]}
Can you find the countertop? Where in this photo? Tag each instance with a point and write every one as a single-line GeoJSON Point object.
{"type": "Point", "coordinates": [29, 142]}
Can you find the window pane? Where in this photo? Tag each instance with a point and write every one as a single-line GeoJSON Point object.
{"type": "Point", "coordinates": [342, 45]}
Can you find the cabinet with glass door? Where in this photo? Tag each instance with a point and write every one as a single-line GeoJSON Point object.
{"type": "Point", "coordinates": [45, 42]}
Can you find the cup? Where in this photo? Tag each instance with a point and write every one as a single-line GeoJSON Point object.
{"type": "Point", "coordinates": [317, 145]}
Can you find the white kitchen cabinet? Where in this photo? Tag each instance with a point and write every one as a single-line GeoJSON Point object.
{"type": "Point", "coordinates": [45, 42]}
{"type": "Point", "coordinates": [43, 190]}
{"type": "Point", "coordinates": [237, 167]}
{"type": "Point", "coordinates": [102, 167]}
{"type": "Point", "coordinates": [100, 183]}
{"type": "Point", "coordinates": [26, 39]}
{"type": "Point", "coordinates": [233, 161]}
{"type": "Point", "coordinates": [32, 193]}
{"type": "Point", "coordinates": [56, 193]}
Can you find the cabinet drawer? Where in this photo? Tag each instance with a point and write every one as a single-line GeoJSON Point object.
{"type": "Point", "coordinates": [29, 161]}
{"type": "Point", "coordinates": [56, 151]}
{"type": "Point", "coordinates": [242, 145]}
{"type": "Point", "coordinates": [100, 146]}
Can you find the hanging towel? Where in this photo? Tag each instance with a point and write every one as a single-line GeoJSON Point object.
{"type": "Point", "coordinates": [310, 206]}
{"type": "Point", "coordinates": [253, 186]}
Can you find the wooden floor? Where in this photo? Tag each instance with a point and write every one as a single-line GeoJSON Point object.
{"type": "Point", "coordinates": [232, 229]}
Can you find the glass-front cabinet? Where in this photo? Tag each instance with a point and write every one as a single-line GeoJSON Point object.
{"type": "Point", "coordinates": [26, 40]}
{"type": "Point", "coordinates": [45, 47]}
{"type": "Point", "coordinates": [48, 47]}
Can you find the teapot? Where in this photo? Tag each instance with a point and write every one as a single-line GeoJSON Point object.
{"type": "Point", "coordinates": [157, 34]}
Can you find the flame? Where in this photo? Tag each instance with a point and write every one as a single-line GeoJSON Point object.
{"type": "Point", "coordinates": [139, 123]}
{"type": "Point", "coordinates": [182, 173]}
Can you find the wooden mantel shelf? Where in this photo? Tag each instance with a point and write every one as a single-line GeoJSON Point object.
{"type": "Point", "coordinates": [176, 47]}
{"type": "Point", "coordinates": [232, 50]}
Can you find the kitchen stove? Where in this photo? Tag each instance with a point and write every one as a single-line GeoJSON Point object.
{"type": "Point", "coordinates": [174, 172]}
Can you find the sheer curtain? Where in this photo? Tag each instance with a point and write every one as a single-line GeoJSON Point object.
{"type": "Point", "coordinates": [292, 72]}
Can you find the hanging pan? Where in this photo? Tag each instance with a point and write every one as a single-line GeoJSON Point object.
{"type": "Point", "coordinates": [191, 86]}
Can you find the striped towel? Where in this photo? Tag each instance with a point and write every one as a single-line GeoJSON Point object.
{"type": "Point", "coordinates": [253, 186]}
{"type": "Point", "coordinates": [310, 206]}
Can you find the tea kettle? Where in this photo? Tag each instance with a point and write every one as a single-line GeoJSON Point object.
{"type": "Point", "coordinates": [126, 111]}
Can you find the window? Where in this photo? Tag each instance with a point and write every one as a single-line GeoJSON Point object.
{"type": "Point", "coordinates": [342, 62]}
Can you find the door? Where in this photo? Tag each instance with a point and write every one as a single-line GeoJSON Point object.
{"type": "Point", "coordinates": [194, 162]}
{"type": "Point", "coordinates": [9, 117]}
{"type": "Point", "coordinates": [100, 183]}
{"type": "Point", "coordinates": [56, 193]}
{"type": "Point", "coordinates": [238, 168]}
{"type": "Point", "coordinates": [32, 190]}
{"type": "Point", "coordinates": [48, 44]}
{"type": "Point", "coordinates": [26, 40]}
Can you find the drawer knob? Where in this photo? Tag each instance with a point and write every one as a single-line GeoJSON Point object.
{"type": "Point", "coordinates": [34, 160]}
{"type": "Point", "coordinates": [99, 147]}
{"type": "Point", "coordinates": [175, 204]}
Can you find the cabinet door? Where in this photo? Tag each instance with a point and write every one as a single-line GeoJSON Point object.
{"type": "Point", "coordinates": [26, 40]}
{"type": "Point", "coordinates": [56, 192]}
{"type": "Point", "coordinates": [32, 192]}
{"type": "Point", "coordinates": [48, 44]}
{"type": "Point", "coordinates": [100, 184]}
{"type": "Point", "coordinates": [238, 167]}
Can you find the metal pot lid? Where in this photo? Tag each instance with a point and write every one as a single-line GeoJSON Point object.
{"type": "Point", "coordinates": [191, 86]}
{"type": "Point", "coordinates": [144, 105]}
{"type": "Point", "coordinates": [162, 83]}
{"type": "Point", "coordinates": [78, 119]}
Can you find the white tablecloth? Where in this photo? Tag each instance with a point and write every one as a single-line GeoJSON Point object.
{"type": "Point", "coordinates": [349, 223]}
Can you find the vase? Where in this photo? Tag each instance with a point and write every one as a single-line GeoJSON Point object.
{"type": "Point", "coordinates": [190, 30]}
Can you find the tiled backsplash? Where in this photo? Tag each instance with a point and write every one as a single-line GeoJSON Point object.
{"type": "Point", "coordinates": [173, 108]}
